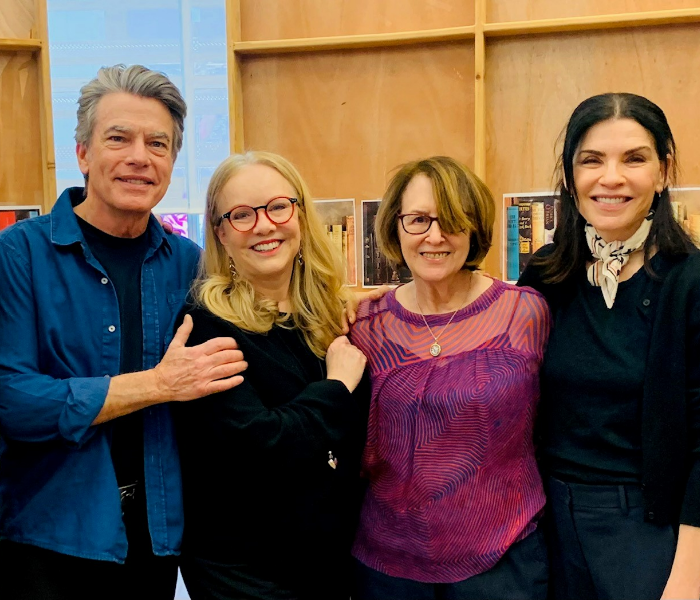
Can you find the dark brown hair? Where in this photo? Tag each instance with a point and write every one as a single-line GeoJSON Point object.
{"type": "Point", "coordinates": [666, 236]}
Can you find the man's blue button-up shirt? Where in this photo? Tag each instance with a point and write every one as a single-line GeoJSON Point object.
{"type": "Point", "coordinates": [59, 346]}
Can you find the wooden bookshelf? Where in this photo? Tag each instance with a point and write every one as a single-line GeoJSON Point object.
{"type": "Point", "coordinates": [348, 89]}
{"type": "Point", "coordinates": [27, 164]}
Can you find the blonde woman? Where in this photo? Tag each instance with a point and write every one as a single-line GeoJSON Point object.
{"type": "Point", "coordinates": [271, 469]}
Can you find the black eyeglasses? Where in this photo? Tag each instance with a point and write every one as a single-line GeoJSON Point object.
{"type": "Point", "coordinates": [243, 218]}
{"type": "Point", "coordinates": [416, 224]}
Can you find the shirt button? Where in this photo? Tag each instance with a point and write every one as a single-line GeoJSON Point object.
{"type": "Point", "coordinates": [111, 328]}
{"type": "Point", "coordinates": [651, 515]}
{"type": "Point", "coordinates": [104, 281]}
{"type": "Point", "coordinates": [646, 302]}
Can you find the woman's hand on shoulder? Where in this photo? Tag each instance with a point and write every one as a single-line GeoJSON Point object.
{"type": "Point", "coordinates": [350, 311]}
{"type": "Point", "coordinates": [345, 362]}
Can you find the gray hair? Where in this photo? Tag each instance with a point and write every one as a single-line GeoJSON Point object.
{"type": "Point", "coordinates": [136, 80]}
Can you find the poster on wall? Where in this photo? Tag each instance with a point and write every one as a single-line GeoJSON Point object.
{"type": "Point", "coordinates": [338, 217]}
{"type": "Point", "coordinates": [9, 215]}
{"type": "Point", "coordinates": [376, 269]}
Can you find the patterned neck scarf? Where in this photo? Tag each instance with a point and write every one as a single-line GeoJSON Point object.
{"type": "Point", "coordinates": [612, 256]}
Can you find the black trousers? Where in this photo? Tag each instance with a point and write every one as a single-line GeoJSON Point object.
{"type": "Point", "coordinates": [600, 546]}
{"type": "Point", "coordinates": [521, 574]}
{"type": "Point", "coordinates": [32, 573]}
{"type": "Point", "coordinates": [320, 579]}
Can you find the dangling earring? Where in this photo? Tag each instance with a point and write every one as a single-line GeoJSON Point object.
{"type": "Point", "coordinates": [300, 258]}
{"type": "Point", "coordinates": [232, 269]}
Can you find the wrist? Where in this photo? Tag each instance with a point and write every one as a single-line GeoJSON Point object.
{"type": "Point", "coordinates": [157, 386]}
{"type": "Point", "coordinates": [345, 382]}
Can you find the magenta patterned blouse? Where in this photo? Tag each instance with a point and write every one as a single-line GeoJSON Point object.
{"type": "Point", "coordinates": [449, 455]}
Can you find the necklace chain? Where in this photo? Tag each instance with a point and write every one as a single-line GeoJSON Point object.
{"type": "Point", "coordinates": [436, 348]}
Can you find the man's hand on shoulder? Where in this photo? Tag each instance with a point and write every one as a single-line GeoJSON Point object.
{"type": "Point", "coordinates": [189, 372]}
{"type": "Point", "coordinates": [185, 373]}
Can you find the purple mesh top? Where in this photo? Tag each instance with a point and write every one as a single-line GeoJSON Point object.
{"type": "Point", "coordinates": [449, 454]}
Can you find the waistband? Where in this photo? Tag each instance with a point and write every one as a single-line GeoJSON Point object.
{"type": "Point", "coordinates": [586, 495]}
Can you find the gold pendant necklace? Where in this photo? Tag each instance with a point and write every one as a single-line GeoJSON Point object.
{"type": "Point", "coordinates": [435, 347]}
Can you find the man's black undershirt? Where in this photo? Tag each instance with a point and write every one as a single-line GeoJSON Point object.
{"type": "Point", "coordinates": [122, 259]}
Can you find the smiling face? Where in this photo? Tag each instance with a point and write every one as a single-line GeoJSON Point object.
{"type": "Point", "coordinates": [129, 160]}
{"type": "Point", "coordinates": [434, 256]}
{"type": "Point", "coordinates": [264, 255]}
{"type": "Point", "coordinates": [617, 171]}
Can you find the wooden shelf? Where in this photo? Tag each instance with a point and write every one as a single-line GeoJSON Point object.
{"type": "Point", "coordinates": [18, 45]}
{"type": "Point", "coordinates": [524, 80]}
{"type": "Point", "coordinates": [598, 22]}
{"type": "Point", "coordinates": [348, 42]}
{"type": "Point", "coordinates": [27, 171]}
{"type": "Point", "coordinates": [378, 40]}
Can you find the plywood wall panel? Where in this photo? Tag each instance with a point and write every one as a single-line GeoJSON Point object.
{"type": "Point", "coordinates": [21, 177]}
{"type": "Point", "coordinates": [498, 11]}
{"type": "Point", "coordinates": [347, 118]}
{"type": "Point", "coordinates": [16, 18]}
{"type": "Point", "coordinates": [281, 19]}
{"type": "Point", "coordinates": [533, 85]}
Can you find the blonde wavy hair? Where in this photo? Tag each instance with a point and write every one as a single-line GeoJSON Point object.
{"type": "Point", "coordinates": [316, 291]}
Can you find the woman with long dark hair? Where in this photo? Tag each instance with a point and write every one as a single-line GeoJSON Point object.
{"type": "Point", "coordinates": [619, 419]}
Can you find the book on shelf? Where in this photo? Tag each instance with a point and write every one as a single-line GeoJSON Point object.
{"type": "Point", "coordinates": [524, 232]}
{"type": "Point", "coordinates": [351, 260]}
{"type": "Point", "coordinates": [551, 212]}
{"type": "Point", "coordinates": [9, 215]}
{"type": "Point", "coordinates": [367, 258]}
{"type": "Point", "coordinates": [530, 222]}
{"type": "Point", "coordinates": [694, 227]}
{"type": "Point", "coordinates": [337, 237]}
{"type": "Point", "coordinates": [537, 224]}
{"type": "Point", "coordinates": [7, 218]}
{"type": "Point", "coordinates": [345, 253]}
{"type": "Point", "coordinates": [513, 244]}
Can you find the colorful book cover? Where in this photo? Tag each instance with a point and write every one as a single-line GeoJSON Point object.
{"type": "Point", "coordinates": [551, 210]}
{"type": "Point", "coordinates": [7, 218]}
{"type": "Point", "coordinates": [513, 245]}
{"type": "Point", "coordinates": [524, 232]}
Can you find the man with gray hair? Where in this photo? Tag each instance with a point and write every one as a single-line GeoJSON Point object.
{"type": "Point", "coordinates": [90, 498]}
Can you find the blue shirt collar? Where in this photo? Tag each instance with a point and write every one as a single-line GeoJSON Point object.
{"type": "Point", "coordinates": [65, 229]}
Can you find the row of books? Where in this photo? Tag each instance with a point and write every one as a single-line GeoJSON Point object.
{"type": "Point", "coordinates": [9, 216]}
{"type": "Point", "coordinates": [689, 221]}
{"type": "Point", "coordinates": [530, 225]}
{"type": "Point", "coordinates": [342, 236]}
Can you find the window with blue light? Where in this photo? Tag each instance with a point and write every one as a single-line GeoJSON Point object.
{"type": "Point", "coordinates": [186, 40]}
